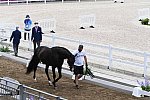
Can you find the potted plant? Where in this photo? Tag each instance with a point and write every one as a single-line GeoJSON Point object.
{"type": "Point", "coordinates": [145, 21]}
{"type": "Point", "coordinates": [144, 87]}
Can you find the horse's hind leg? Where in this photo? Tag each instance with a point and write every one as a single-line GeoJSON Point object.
{"type": "Point", "coordinates": [54, 76]}
{"type": "Point", "coordinates": [46, 71]}
{"type": "Point", "coordinates": [60, 75]}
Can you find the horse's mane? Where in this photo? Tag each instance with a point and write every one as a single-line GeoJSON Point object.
{"type": "Point", "coordinates": [62, 50]}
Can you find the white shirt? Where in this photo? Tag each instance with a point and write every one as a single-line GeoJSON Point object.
{"type": "Point", "coordinates": [79, 58]}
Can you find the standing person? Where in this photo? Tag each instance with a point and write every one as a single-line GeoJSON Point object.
{"type": "Point", "coordinates": [36, 35]}
{"type": "Point", "coordinates": [16, 36]}
{"type": "Point", "coordinates": [80, 59]}
{"type": "Point", "coordinates": [27, 28]}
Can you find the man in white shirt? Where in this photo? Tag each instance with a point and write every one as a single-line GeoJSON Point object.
{"type": "Point", "coordinates": [80, 59]}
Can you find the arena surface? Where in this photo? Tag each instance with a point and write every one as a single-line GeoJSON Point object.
{"type": "Point", "coordinates": [66, 87]}
{"type": "Point", "coordinates": [116, 23]}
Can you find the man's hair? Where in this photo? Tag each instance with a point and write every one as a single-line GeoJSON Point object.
{"type": "Point", "coordinates": [27, 16]}
{"type": "Point", "coordinates": [80, 46]}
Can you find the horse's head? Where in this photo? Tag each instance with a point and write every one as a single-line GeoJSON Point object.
{"type": "Point", "coordinates": [71, 61]}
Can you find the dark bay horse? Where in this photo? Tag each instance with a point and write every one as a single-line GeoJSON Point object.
{"type": "Point", "coordinates": [51, 57]}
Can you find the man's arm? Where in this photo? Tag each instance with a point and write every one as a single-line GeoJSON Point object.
{"type": "Point", "coordinates": [40, 34]}
{"type": "Point", "coordinates": [12, 35]}
{"type": "Point", "coordinates": [85, 59]}
{"type": "Point", "coordinates": [32, 33]}
{"type": "Point", "coordinates": [20, 35]}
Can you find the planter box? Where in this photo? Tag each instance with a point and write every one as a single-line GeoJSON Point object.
{"type": "Point", "coordinates": [138, 92]}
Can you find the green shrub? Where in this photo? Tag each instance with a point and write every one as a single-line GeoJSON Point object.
{"type": "Point", "coordinates": [4, 49]}
{"type": "Point", "coordinates": [145, 85]}
{"type": "Point", "coordinates": [145, 21]}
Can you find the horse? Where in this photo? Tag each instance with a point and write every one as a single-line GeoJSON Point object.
{"type": "Point", "coordinates": [50, 57]}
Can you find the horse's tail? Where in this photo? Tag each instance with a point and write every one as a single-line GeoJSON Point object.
{"type": "Point", "coordinates": [33, 63]}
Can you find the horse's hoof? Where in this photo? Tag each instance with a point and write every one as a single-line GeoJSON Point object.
{"type": "Point", "coordinates": [35, 80]}
{"type": "Point", "coordinates": [55, 87]}
{"type": "Point", "coordinates": [50, 83]}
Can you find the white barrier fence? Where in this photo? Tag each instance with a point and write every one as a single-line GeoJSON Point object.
{"type": "Point", "coordinates": [112, 54]}
{"type": "Point", "coordinates": [144, 13]}
{"type": "Point", "coordinates": [87, 21]}
{"type": "Point", "coordinates": [48, 25]}
{"type": "Point", "coordinates": [6, 29]}
{"type": "Point", "coordinates": [11, 89]}
{"type": "Point", "coordinates": [136, 59]}
{"type": "Point", "coordinates": [8, 2]}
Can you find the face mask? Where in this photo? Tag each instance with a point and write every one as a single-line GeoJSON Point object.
{"type": "Point", "coordinates": [36, 25]}
{"type": "Point", "coordinates": [79, 50]}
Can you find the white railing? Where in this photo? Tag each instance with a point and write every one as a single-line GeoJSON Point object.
{"type": "Point", "coordinates": [17, 91]}
{"type": "Point", "coordinates": [48, 25]}
{"type": "Point", "coordinates": [8, 2]}
{"type": "Point", "coordinates": [87, 21]}
{"type": "Point", "coordinates": [111, 55]}
{"type": "Point", "coordinates": [107, 54]}
{"type": "Point", "coordinates": [144, 13]}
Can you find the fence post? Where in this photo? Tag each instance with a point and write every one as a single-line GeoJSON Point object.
{"type": "Point", "coordinates": [8, 2]}
{"type": "Point", "coordinates": [45, 1]}
{"type": "Point", "coordinates": [21, 93]}
{"type": "Point", "coordinates": [145, 64]}
{"type": "Point", "coordinates": [27, 2]}
{"type": "Point", "coordinates": [53, 39]}
{"type": "Point", "coordinates": [29, 41]}
{"type": "Point", "coordinates": [110, 56]}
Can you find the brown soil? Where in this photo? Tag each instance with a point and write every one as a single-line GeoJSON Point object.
{"type": "Point", "coordinates": [66, 86]}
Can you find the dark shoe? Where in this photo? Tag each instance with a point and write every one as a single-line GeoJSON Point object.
{"type": "Point", "coordinates": [77, 86]}
{"type": "Point", "coordinates": [115, 1]}
{"type": "Point", "coordinates": [16, 54]}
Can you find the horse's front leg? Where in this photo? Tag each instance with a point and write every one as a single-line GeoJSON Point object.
{"type": "Point", "coordinates": [54, 76]}
{"type": "Point", "coordinates": [46, 71]}
{"type": "Point", "coordinates": [34, 76]}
